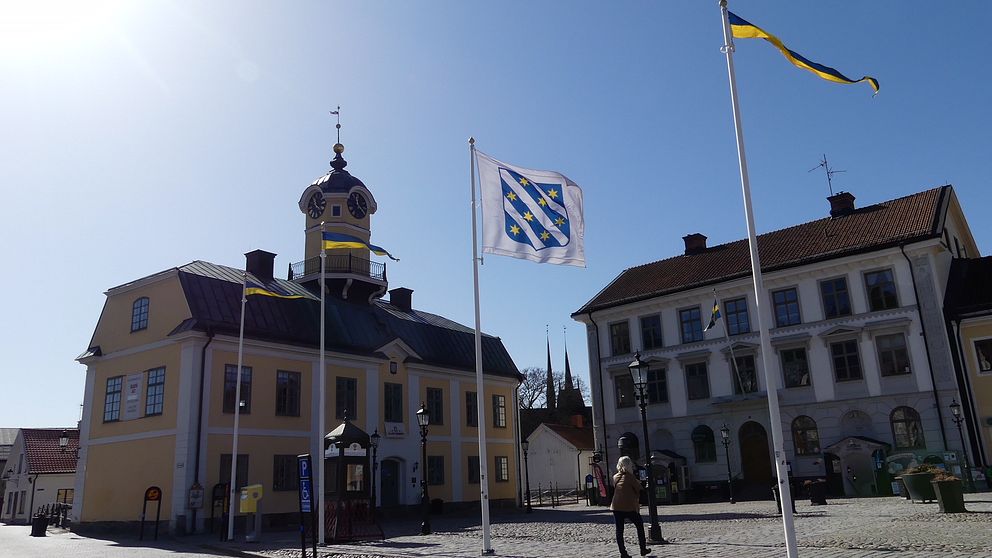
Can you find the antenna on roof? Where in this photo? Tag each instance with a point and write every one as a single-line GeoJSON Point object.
{"type": "Point", "coordinates": [830, 173]}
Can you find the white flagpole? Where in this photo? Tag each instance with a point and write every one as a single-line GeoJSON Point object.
{"type": "Point", "coordinates": [480, 399]}
{"type": "Point", "coordinates": [237, 412]}
{"type": "Point", "coordinates": [771, 385]}
{"type": "Point", "coordinates": [322, 386]}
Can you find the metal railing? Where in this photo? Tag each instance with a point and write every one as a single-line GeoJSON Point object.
{"type": "Point", "coordinates": [554, 496]}
{"type": "Point", "coordinates": [339, 263]}
{"type": "Point", "coordinates": [57, 513]}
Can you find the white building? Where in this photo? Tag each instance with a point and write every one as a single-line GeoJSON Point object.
{"type": "Point", "coordinates": [862, 363]}
{"type": "Point", "coordinates": [558, 457]}
{"type": "Point", "coordinates": [38, 472]}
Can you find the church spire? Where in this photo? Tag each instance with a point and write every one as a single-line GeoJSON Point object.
{"type": "Point", "coordinates": [569, 386]}
{"type": "Point", "coordinates": [551, 380]}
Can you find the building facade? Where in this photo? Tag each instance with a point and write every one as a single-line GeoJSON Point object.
{"type": "Point", "coordinates": [862, 367]}
{"type": "Point", "coordinates": [39, 472]}
{"type": "Point", "coordinates": [161, 378]}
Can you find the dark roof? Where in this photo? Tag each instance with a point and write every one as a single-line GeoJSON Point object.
{"type": "Point", "coordinates": [337, 179]}
{"type": "Point", "coordinates": [883, 225]}
{"type": "Point", "coordinates": [213, 293]}
{"type": "Point", "coordinates": [969, 287]}
{"type": "Point", "coordinates": [530, 419]}
{"type": "Point", "coordinates": [581, 438]}
{"type": "Point", "coordinates": [41, 449]}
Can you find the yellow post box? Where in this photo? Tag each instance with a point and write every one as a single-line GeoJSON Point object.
{"type": "Point", "coordinates": [250, 495]}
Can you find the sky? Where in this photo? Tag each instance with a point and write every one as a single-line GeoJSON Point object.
{"type": "Point", "coordinates": [140, 136]}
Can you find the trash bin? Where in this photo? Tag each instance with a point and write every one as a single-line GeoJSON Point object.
{"type": "Point", "coordinates": [437, 506]}
{"type": "Point", "coordinates": [778, 499]}
{"type": "Point", "coordinates": [39, 525]}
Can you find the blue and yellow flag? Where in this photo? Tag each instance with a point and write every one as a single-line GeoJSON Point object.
{"type": "Point", "coordinates": [715, 316]}
{"type": "Point", "coordinates": [334, 240]}
{"type": "Point", "coordinates": [745, 30]}
{"type": "Point", "coordinates": [253, 288]}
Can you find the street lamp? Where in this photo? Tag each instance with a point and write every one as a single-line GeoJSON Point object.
{"type": "Point", "coordinates": [725, 435]}
{"type": "Point", "coordinates": [526, 445]}
{"type": "Point", "coordinates": [64, 444]}
{"type": "Point", "coordinates": [374, 443]}
{"type": "Point", "coordinates": [639, 373]}
{"type": "Point", "coordinates": [958, 419]}
{"type": "Point", "coordinates": [423, 420]}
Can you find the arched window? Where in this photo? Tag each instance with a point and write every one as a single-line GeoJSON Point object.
{"type": "Point", "coordinates": [804, 436]}
{"type": "Point", "coordinates": [702, 442]}
{"type": "Point", "coordinates": [907, 429]}
{"type": "Point", "coordinates": [139, 314]}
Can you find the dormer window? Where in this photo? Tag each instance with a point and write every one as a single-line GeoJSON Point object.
{"type": "Point", "coordinates": [139, 314]}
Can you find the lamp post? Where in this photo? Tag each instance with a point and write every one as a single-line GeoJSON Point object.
{"type": "Point", "coordinates": [64, 444]}
{"type": "Point", "coordinates": [526, 445]}
{"type": "Point", "coordinates": [423, 420]}
{"type": "Point", "coordinates": [958, 419]}
{"type": "Point", "coordinates": [725, 435]}
{"type": "Point", "coordinates": [374, 443]}
{"type": "Point", "coordinates": [639, 373]}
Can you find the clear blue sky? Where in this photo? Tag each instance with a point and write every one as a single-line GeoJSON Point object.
{"type": "Point", "coordinates": [140, 136]}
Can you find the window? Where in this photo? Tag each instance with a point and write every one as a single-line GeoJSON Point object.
{"type": "Point", "coordinates": [847, 364]}
{"type": "Point", "coordinates": [139, 314]}
{"type": "Point", "coordinates": [805, 436]}
{"type": "Point", "coordinates": [335, 211]}
{"type": "Point", "coordinates": [623, 384]}
{"type": "Point", "coordinates": [230, 385]}
{"type": "Point", "coordinates": [735, 312]}
{"type": "Point", "coordinates": [284, 475]}
{"type": "Point", "coordinates": [502, 468]}
{"type": "Point", "coordinates": [435, 405]}
{"type": "Point", "coordinates": [65, 495]}
{"type": "Point", "coordinates": [893, 358]}
{"type": "Point", "coordinates": [697, 381]}
{"type": "Point", "coordinates": [473, 469]}
{"type": "Point", "coordinates": [836, 301]}
{"type": "Point", "coordinates": [619, 338]}
{"type": "Point", "coordinates": [692, 325]}
{"type": "Point", "coordinates": [287, 393]}
{"type": "Point", "coordinates": [746, 378]}
{"type": "Point", "coordinates": [704, 444]}
{"type": "Point", "coordinates": [881, 290]}
{"type": "Point", "coordinates": [435, 470]}
{"type": "Point", "coordinates": [983, 351]}
{"type": "Point", "coordinates": [155, 393]}
{"type": "Point", "coordinates": [795, 367]}
{"type": "Point", "coordinates": [656, 389]}
{"type": "Point", "coordinates": [393, 402]}
{"type": "Point", "coordinates": [346, 398]}
{"type": "Point", "coordinates": [786, 304]}
{"type": "Point", "coordinates": [651, 332]}
{"type": "Point", "coordinates": [112, 403]}
{"type": "Point", "coordinates": [907, 430]}
{"type": "Point", "coordinates": [241, 476]}
{"type": "Point", "coordinates": [24, 497]}
{"type": "Point", "coordinates": [472, 409]}
{"type": "Point", "coordinates": [499, 411]}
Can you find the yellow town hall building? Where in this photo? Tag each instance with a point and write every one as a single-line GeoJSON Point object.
{"type": "Point", "coordinates": [161, 371]}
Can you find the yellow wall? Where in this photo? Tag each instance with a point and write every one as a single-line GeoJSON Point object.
{"type": "Point", "coordinates": [261, 451]}
{"type": "Point", "coordinates": [118, 474]}
{"type": "Point", "coordinates": [263, 392]}
{"type": "Point", "coordinates": [443, 449]}
{"type": "Point", "coordinates": [167, 308]}
{"type": "Point", "coordinates": [981, 384]}
{"type": "Point", "coordinates": [497, 490]}
{"type": "Point", "coordinates": [169, 357]}
{"type": "Point", "coordinates": [443, 429]}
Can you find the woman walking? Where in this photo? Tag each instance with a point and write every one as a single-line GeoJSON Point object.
{"type": "Point", "coordinates": [627, 504]}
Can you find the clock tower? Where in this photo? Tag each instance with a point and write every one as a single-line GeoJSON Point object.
{"type": "Point", "coordinates": [338, 202]}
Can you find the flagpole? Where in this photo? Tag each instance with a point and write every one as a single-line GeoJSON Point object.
{"type": "Point", "coordinates": [322, 386]}
{"type": "Point", "coordinates": [480, 400]}
{"type": "Point", "coordinates": [237, 413]}
{"type": "Point", "coordinates": [771, 385]}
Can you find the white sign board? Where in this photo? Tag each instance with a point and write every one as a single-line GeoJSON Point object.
{"type": "Point", "coordinates": [132, 396]}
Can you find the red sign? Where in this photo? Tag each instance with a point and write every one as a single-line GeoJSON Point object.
{"type": "Point", "coordinates": [153, 494]}
{"type": "Point", "coordinates": [596, 470]}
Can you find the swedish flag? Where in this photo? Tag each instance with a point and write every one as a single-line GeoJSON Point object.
{"type": "Point", "coordinates": [253, 288]}
{"type": "Point", "coordinates": [714, 316]}
{"type": "Point", "coordinates": [332, 240]}
{"type": "Point", "coordinates": [745, 30]}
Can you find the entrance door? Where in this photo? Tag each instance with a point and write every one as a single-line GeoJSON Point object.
{"type": "Point", "coordinates": [756, 464]}
{"type": "Point", "coordinates": [389, 476]}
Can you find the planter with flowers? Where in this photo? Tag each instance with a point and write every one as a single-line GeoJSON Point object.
{"type": "Point", "coordinates": [917, 480]}
{"type": "Point", "coordinates": [949, 491]}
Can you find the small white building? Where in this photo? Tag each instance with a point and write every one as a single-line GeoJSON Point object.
{"type": "Point", "coordinates": [558, 456]}
{"type": "Point", "coordinates": [38, 472]}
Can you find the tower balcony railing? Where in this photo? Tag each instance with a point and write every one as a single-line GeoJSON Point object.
{"type": "Point", "coordinates": [337, 264]}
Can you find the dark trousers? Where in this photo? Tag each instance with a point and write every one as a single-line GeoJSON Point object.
{"type": "Point", "coordinates": [635, 518]}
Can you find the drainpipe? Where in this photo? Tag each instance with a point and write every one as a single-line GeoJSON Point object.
{"type": "Point", "coordinates": [578, 469]}
{"type": "Point", "coordinates": [926, 345]}
{"type": "Point", "coordinates": [34, 486]}
{"type": "Point", "coordinates": [602, 402]}
{"type": "Point", "coordinates": [199, 421]}
{"type": "Point", "coordinates": [977, 451]}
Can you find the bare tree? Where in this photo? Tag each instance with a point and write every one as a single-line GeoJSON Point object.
{"type": "Point", "coordinates": [534, 389]}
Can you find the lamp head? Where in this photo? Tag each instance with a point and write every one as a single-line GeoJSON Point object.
{"type": "Point", "coordinates": [374, 439]}
{"type": "Point", "coordinates": [423, 419]}
{"type": "Point", "coordinates": [63, 440]}
{"type": "Point", "coordinates": [955, 408]}
{"type": "Point", "coordinates": [638, 370]}
{"type": "Point", "coordinates": [525, 445]}
{"type": "Point", "coordinates": [725, 432]}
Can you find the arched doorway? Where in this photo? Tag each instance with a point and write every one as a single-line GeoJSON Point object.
{"type": "Point", "coordinates": [756, 463]}
{"type": "Point", "coordinates": [389, 478]}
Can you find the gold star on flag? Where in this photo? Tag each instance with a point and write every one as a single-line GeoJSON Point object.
{"type": "Point", "coordinates": [524, 181]}
{"type": "Point", "coordinates": [553, 193]}
{"type": "Point", "coordinates": [545, 235]}
{"type": "Point", "coordinates": [515, 230]}
{"type": "Point", "coordinates": [560, 221]}
{"type": "Point", "coordinates": [528, 216]}
{"type": "Point", "coordinates": [541, 202]}
{"type": "Point", "coordinates": [512, 196]}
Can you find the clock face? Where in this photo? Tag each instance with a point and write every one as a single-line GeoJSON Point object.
{"type": "Point", "coordinates": [316, 205]}
{"type": "Point", "coordinates": [357, 205]}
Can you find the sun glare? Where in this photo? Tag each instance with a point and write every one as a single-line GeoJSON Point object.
{"type": "Point", "coordinates": [30, 27]}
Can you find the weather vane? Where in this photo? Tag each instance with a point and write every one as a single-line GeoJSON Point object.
{"type": "Point", "coordinates": [830, 172]}
{"type": "Point", "coordinates": [338, 126]}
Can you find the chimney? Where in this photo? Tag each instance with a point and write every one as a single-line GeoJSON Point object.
{"type": "Point", "coordinates": [694, 243]}
{"type": "Point", "coordinates": [577, 421]}
{"type": "Point", "coordinates": [260, 264]}
{"type": "Point", "coordinates": [841, 203]}
{"type": "Point", "coordinates": [402, 298]}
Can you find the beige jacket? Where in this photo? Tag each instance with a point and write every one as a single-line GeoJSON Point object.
{"type": "Point", "coordinates": [626, 493]}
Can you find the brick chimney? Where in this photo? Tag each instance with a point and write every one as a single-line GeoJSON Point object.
{"type": "Point", "coordinates": [841, 203]}
{"type": "Point", "coordinates": [694, 243]}
{"type": "Point", "coordinates": [402, 298]}
{"type": "Point", "coordinates": [577, 421]}
{"type": "Point", "coordinates": [260, 264]}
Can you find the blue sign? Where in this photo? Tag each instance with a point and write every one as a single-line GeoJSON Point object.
{"type": "Point", "coordinates": [306, 495]}
{"type": "Point", "coordinates": [304, 461]}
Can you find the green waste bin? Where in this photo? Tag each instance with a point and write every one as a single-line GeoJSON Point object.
{"type": "Point", "coordinates": [39, 525]}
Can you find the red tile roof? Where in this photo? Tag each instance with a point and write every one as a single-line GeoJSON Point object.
{"type": "Point", "coordinates": [887, 224]}
{"type": "Point", "coordinates": [41, 448]}
{"type": "Point", "coordinates": [581, 438]}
